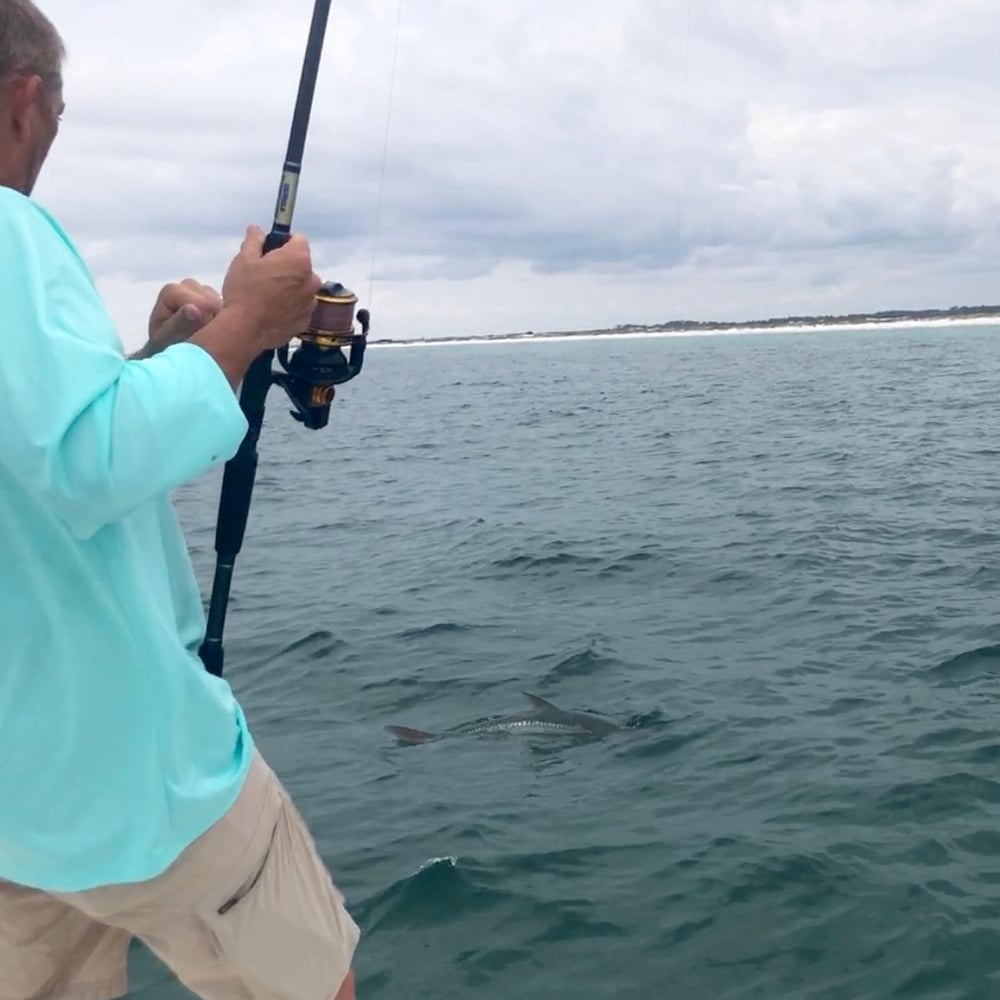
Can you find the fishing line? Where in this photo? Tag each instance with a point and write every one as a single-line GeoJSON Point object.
{"type": "Point", "coordinates": [385, 153]}
{"type": "Point", "coordinates": [683, 157]}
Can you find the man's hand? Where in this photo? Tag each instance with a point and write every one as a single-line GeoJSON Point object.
{"type": "Point", "coordinates": [181, 310]}
{"type": "Point", "coordinates": [269, 299]}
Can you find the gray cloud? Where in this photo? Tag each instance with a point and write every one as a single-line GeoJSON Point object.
{"type": "Point", "coordinates": [571, 164]}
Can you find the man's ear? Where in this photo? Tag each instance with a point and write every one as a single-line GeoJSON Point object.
{"type": "Point", "coordinates": [20, 94]}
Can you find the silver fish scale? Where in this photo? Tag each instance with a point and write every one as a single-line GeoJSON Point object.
{"type": "Point", "coordinates": [523, 725]}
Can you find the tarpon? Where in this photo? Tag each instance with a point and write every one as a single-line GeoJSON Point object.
{"type": "Point", "coordinates": [545, 719]}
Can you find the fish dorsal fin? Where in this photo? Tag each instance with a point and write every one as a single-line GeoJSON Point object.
{"type": "Point", "coordinates": [540, 703]}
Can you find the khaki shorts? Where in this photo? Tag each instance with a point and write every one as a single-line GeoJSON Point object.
{"type": "Point", "coordinates": [247, 912]}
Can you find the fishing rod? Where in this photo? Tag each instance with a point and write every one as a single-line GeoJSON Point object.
{"type": "Point", "coordinates": [310, 373]}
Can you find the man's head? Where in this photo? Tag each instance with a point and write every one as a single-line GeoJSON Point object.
{"type": "Point", "coordinates": [31, 103]}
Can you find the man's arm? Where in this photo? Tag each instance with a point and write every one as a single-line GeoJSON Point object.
{"type": "Point", "coordinates": [90, 434]}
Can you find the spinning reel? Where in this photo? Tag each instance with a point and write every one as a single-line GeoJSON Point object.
{"type": "Point", "coordinates": [318, 365]}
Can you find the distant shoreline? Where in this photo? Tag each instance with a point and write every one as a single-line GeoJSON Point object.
{"type": "Point", "coordinates": [896, 319]}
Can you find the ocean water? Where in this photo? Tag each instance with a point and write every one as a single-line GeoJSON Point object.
{"type": "Point", "coordinates": [776, 557]}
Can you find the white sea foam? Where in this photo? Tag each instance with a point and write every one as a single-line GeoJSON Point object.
{"type": "Point", "coordinates": [431, 862]}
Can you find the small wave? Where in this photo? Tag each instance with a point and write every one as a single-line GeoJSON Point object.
{"type": "Point", "coordinates": [946, 795]}
{"type": "Point", "coordinates": [971, 665]}
{"type": "Point", "coordinates": [810, 879]}
{"type": "Point", "coordinates": [951, 736]}
{"type": "Point", "coordinates": [661, 746]}
{"type": "Point", "coordinates": [438, 628]}
{"type": "Point", "coordinates": [437, 893]}
{"type": "Point", "coordinates": [733, 576]}
{"type": "Point", "coordinates": [558, 560]}
{"type": "Point", "coordinates": [448, 859]}
{"type": "Point", "coordinates": [392, 684]}
{"type": "Point", "coordinates": [984, 842]}
{"type": "Point", "coordinates": [629, 563]}
{"type": "Point", "coordinates": [644, 720]}
{"type": "Point", "coordinates": [840, 706]}
{"type": "Point", "coordinates": [317, 645]}
{"type": "Point", "coordinates": [582, 664]}
{"type": "Point", "coordinates": [568, 924]}
{"type": "Point", "coordinates": [988, 753]}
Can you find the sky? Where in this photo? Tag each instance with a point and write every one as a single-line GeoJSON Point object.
{"type": "Point", "coordinates": [556, 165]}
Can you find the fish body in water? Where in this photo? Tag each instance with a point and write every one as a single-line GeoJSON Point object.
{"type": "Point", "coordinates": [545, 719]}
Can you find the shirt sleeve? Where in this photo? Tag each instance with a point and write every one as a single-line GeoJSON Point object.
{"type": "Point", "coordinates": [89, 434]}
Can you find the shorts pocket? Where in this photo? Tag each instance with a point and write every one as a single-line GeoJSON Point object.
{"type": "Point", "coordinates": [248, 885]}
{"type": "Point", "coordinates": [285, 931]}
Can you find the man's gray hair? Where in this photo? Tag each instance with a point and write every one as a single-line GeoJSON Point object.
{"type": "Point", "coordinates": [29, 42]}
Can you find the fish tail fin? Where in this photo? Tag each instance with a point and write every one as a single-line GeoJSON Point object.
{"type": "Point", "coordinates": [407, 735]}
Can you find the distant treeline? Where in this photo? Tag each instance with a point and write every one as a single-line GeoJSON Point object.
{"type": "Point", "coordinates": [681, 325]}
{"type": "Point", "coordinates": [885, 316]}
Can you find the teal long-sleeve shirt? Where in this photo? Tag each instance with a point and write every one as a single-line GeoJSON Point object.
{"type": "Point", "coordinates": [117, 749]}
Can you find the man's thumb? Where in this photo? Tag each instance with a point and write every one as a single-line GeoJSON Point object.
{"type": "Point", "coordinates": [253, 242]}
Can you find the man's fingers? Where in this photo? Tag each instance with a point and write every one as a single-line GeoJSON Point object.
{"type": "Point", "coordinates": [189, 292]}
{"type": "Point", "coordinates": [184, 323]}
{"type": "Point", "coordinates": [203, 295]}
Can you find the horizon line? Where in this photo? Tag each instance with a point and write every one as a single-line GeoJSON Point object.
{"type": "Point", "coordinates": [804, 323]}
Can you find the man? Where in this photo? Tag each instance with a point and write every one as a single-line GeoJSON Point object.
{"type": "Point", "coordinates": [132, 800]}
